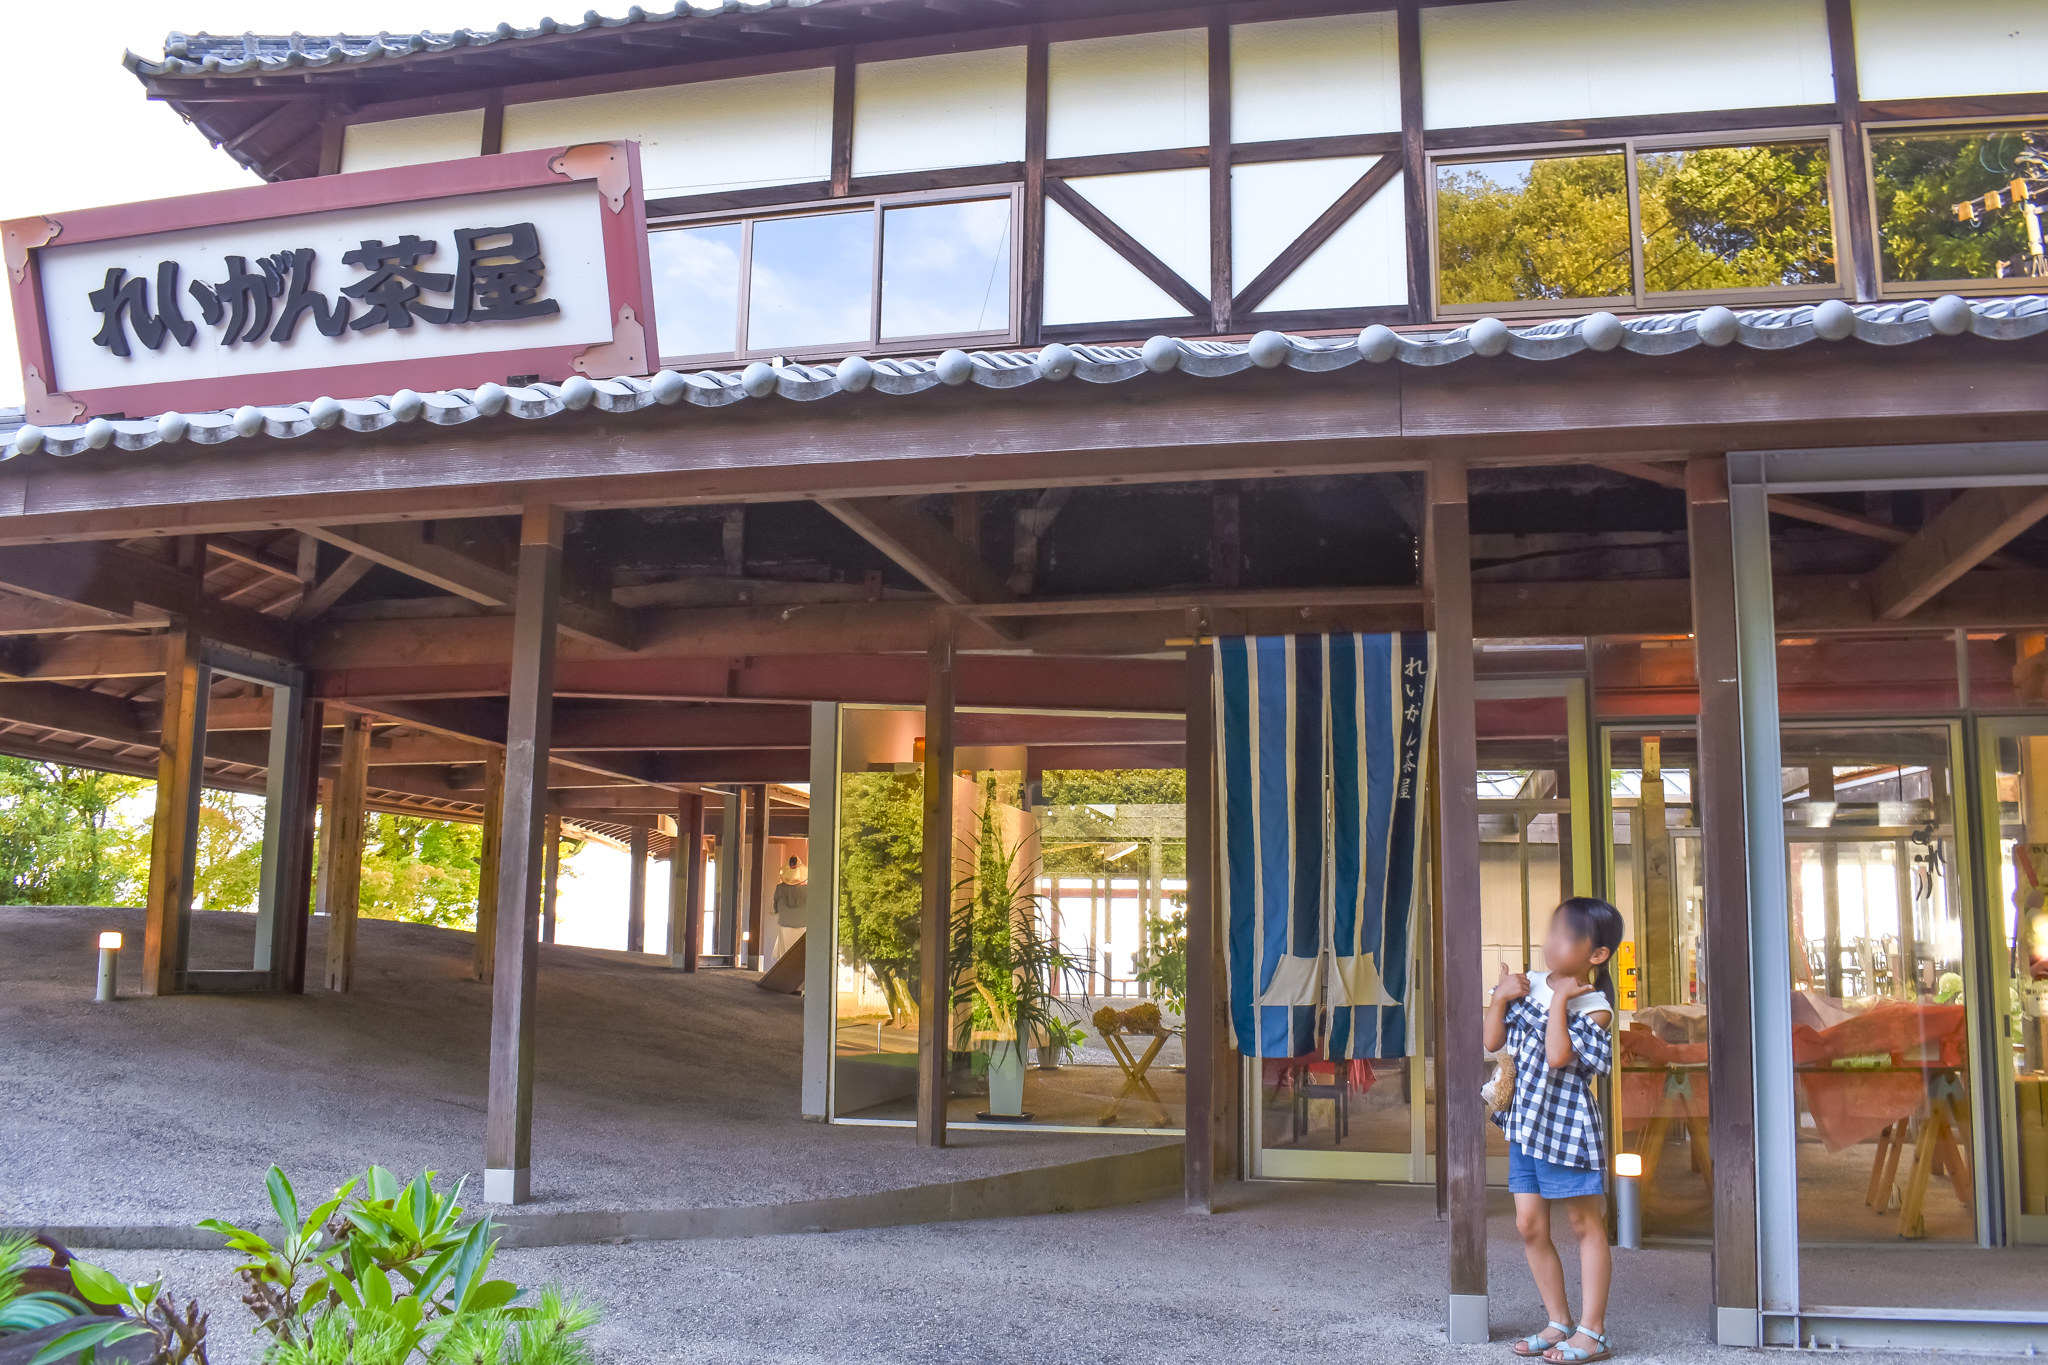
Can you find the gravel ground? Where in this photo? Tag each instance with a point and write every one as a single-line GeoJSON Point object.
{"type": "Point", "coordinates": [653, 1089]}
{"type": "Point", "coordinates": [1297, 1273]}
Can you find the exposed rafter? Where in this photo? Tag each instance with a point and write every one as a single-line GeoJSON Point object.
{"type": "Point", "coordinates": [1957, 539]}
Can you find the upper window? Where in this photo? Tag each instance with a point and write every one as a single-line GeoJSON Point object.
{"type": "Point", "coordinates": [1962, 205]}
{"type": "Point", "coordinates": [829, 281]}
{"type": "Point", "coordinates": [1635, 225]}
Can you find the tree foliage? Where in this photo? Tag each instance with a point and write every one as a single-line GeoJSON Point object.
{"type": "Point", "coordinates": [1919, 178]}
{"type": "Point", "coordinates": [881, 887]}
{"type": "Point", "coordinates": [1558, 227]}
{"type": "Point", "coordinates": [62, 839]}
{"type": "Point", "coordinates": [423, 871]}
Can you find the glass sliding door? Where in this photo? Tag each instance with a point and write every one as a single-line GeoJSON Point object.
{"type": "Point", "coordinates": [2013, 767]}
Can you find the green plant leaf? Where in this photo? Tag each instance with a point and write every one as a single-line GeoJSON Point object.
{"type": "Point", "coordinates": [379, 1184]}
{"type": "Point", "coordinates": [103, 1333]}
{"type": "Point", "coordinates": [470, 1260]}
{"type": "Point", "coordinates": [38, 1309]}
{"type": "Point", "coordinates": [491, 1294]}
{"type": "Point", "coordinates": [98, 1286]}
{"type": "Point", "coordinates": [282, 1199]}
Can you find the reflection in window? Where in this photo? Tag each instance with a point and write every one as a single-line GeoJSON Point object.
{"type": "Point", "coordinates": [697, 288]}
{"type": "Point", "coordinates": [811, 282]}
{"type": "Point", "coordinates": [1529, 230]}
{"type": "Point", "coordinates": [1961, 204]}
{"type": "Point", "coordinates": [1736, 217]}
{"type": "Point", "coordinates": [946, 269]}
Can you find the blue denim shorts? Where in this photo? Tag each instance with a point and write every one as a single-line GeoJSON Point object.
{"type": "Point", "coordinates": [1533, 1175]}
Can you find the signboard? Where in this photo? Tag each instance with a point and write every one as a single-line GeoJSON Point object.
{"type": "Point", "coordinates": [422, 277]}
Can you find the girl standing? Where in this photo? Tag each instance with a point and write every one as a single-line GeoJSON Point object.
{"type": "Point", "coordinates": [1557, 1023]}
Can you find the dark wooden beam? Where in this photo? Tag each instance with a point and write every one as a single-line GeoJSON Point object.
{"type": "Point", "coordinates": [1211, 1069]}
{"type": "Point", "coordinates": [509, 1123]}
{"type": "Point", "coordinates": [108, 579]}
{"type": "Point", "coordinates": [1123, 244]}
{"type": "Point", "coordinates": [923, 548]}
{"type": "Point", "coordinates": [406, 547]}
{"type": "Point", "coordinates": [935, 925]}
{"type": "Point", "coordinates": [1221, 304]}
{"type": "Point", "coordinates": [1461, 1056]}
{"type": "Point", "coordinates": [1856, 215]}
{"type": "Point", "coordinates": [1416, 187]}
{"type": "Point", "coordinates": [1032, 263]}
{"type": "Point", "coordinates": [686, 884]}
{"type": "Point", "coordinates": [76, 711]}
{"type": "Point", "coordinates": [1725, 860]}
{"type": "Point", "coordinates": [1961, 536]}
{"type": "Point", "coordinates": [490, 863]}
{"type": "Point", "coordinates": [342, 848]}
{"type": "Point", "coordinates": [331, 589]}
{"type": "Point", "coordinates": [174, 830]}
{"type": "Point", "coordinates": [760, 879]}
{"type": "Point", "coordinates": [844, 74]}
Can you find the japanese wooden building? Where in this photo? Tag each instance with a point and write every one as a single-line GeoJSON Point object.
{"type": "Point", "coordinates": [981, 361]}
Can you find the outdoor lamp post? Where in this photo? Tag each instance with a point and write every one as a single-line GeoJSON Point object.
{"type": "Point", "coordinates": [110, 960]}
{"type": "Point", "coordinates": [1628, 1200]}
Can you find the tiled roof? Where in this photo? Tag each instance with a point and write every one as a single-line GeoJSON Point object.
{"type": "Point", "coordinates": [205, 54]}
{"type": "Point", "coordinates": [1889, 324]}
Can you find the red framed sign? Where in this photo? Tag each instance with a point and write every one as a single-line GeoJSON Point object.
{"type": "Point", "coordinates": [439, 276]}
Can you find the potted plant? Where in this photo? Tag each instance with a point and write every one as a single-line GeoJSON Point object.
{"type": "Point", "coordinates": [1003, 964]}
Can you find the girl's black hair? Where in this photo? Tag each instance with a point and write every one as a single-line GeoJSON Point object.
{"type": "Point", "coordinates": [1593, 918]}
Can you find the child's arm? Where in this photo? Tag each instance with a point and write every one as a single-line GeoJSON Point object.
{"type": "Point", "coordinates": [1580, 1040]}
{"type": "Point", "coordinates": [1511, 987]}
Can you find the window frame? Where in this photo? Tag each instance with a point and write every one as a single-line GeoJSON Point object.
{"type": "Point", "coordinates": [1641, 299]}
{"type": "Point", "coordinates": [877, 205]}
{"type": "Point", "coordinates": [1915, 289]}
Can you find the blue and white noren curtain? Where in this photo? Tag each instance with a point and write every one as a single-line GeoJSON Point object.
{"type": "Point", "coordinates": [1319, 749]}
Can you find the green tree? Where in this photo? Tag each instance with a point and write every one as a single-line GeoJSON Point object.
{"type": "Point", "coordinates": [229, 874]}
{"type": "Point", "coordinates": [1920, 177]}
{"type": "Point", "coordinates": [423, 871]}
{"type": "Point", "coordinates": [1561, 233]}
{"type": "Point", "coordinates": [881, 886]}
{"type": "Point", "coordinates": [63, 840]}
{"type": "Point", "coordinates": [1736, 218]}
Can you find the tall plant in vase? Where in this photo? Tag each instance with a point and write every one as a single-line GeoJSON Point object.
{"type": "Point", "coordinates": [1002, 962]}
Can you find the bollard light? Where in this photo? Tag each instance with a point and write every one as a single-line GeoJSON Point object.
{"type": "Point", "coordinates": [110, 958]}
{"type": "Point", "coordinates": [1628, 1200]}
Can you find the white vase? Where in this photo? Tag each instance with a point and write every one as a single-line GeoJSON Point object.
{"type": "Point", "coordinates": [1005, 1077]}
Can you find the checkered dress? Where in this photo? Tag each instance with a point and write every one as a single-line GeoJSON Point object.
{"type": "Point", "coordinates": [1555, 1116]}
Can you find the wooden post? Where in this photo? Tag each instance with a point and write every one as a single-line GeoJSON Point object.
{"type": "Point", "coordinates": [1657, 923]}
{"type": "Point", "coordinates": [487, 866]}
{"type": "Point", "coordinates": [760, 878]}
{"type": "Point", "coordinates": [288, 860]}
{"type": "Point", "coordinates": [1212, 1077]}
{"type": "Point", "coordinates": [344, 852]}
{"type": "Point", "coordinates": [1461, 1056]}
{"type": "Point", "coordinates": [686, 884]}
{"type": "Point", "coordinates": [636, 890]}
{"type": "Point", "coordinates": [934, 1006]}
{"type": "Point", "coordinates": [1724, 857]}
{"type": "Point", "coordinates": [551, 876]}
{"type": "Point", "coordinates": [174, 832]}
{"type": "Point", "coordinates": [528, 733]}
{"type": "Point", "coordinates": [725, 930]}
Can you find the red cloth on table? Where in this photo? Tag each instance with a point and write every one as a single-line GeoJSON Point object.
{"type": "Point", "coordinates": [1643, 1093]}
{"type": "Point", "coordinates": [1319, 1070]}
{"type": "Point", "coordinates": [1849, 1106]}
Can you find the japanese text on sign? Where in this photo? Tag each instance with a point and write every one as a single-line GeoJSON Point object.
{"type": "Point", "coordinates": [498, 277]}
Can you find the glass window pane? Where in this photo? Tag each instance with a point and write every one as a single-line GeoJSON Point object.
{"type": "Point", "coordinates": [697, 289]}
{"type": "Point", "coordinates": [946, 269]}
{"type": "Point", "coordinates": [1961, 204]}
{"type": "Point", "coordinates": [813, 281]}
{"type": "Point", "coordinates": [1736, 217]}
{"type": "Point", "coordinates": [1532, 230]}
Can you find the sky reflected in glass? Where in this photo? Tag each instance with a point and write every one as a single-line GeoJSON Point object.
{"type": "Point", "coordinates": [946, 269]}
{"type": "Point", "coordinates": [812, 281]}
{"type": "Point", "coordinates": [697, 289]}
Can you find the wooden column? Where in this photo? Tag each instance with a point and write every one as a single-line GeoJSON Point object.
{"type": "Point", "coordinates": [551, 876]}
{"type": "Point", "coordinates": [344, 851]}
{"type": "Point", "coordinates": [1724, 855]}
{"type": "Point", "coordinates": [1415, 185]}
{"type": "Point", "coordinates": [725, 929]}
{"type": "Point", "coordinates": [934, 1006]}
{"type": "Point", "coordinates": [1657, 921]}
{"type": "Point", "coordinates": [1220, 282]}
{"type": "Point", "coordinates": [1212, 1077]}
{"type": "Point", "coordinates": [686, 884]}
{"type": "Point", "coordinates": [487, 866]}
{"type": "Point", "coordinates": [174, 831]}
{"type": "Point", "coordinates": [636, 890]}
{"type": "Point", "coordinates": [1856, 220]}
{"type": "Point", "coordinates": [1032, 266]}
{"type": "Point", "coordinates": [288, 834]}
{"type": "Point", "coordinates": [1461, 1055]}
{"type": "Point", "coordinates": [528, 732]}
{"type": "Point", "coordinates": [760, 878]}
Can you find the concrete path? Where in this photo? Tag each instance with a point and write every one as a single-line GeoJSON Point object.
{"type": "Point", "coordinates": [1302, 1274]}
{"type": "Point", "coordinates": [654, 1089]}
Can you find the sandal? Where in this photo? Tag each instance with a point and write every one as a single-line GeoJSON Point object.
{"type": "Point", "coordinates": [1566, 1354]}
{"type": "Point", "coordinates": [1534, 1345]}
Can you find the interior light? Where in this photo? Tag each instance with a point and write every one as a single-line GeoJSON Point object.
{"type": "Point", "coordinates": [111, 939]}
{"type": "Point", "coordinates": [1628, 1164]}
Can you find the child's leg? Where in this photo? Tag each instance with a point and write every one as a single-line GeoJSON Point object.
{"type": "Point", "coordinates": [1596, 1263]}
{"type": "Point", "coordinates": [1532, 1220]}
